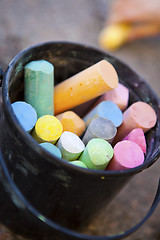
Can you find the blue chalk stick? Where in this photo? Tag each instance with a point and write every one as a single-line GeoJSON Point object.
{"type": "Point", "coordinates": [106, 109]}
{"type": "Point", "coordinates": [25, 114]}
{"type": "Point", "coordinates": [52, 149]}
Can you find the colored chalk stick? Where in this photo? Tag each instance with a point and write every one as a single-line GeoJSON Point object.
{"type": "Point", "coordinates": [114, 35]}
{"type": "Point", "coordinates": [138, 115]}
{"type": "Point", "coordinates": [79, 164]}
{"type": "Point", "coordinates": [25, 114]}
{"type": "Point", "coordinates": [97, 154]}
{"type": "Point", "coordinates": [51, 148]}
{"type": "Point", "coordinates": [39, 86]}
{"type": "Point", "coordinates": [100, 128]}
{"type": "Point", "coordinates": [137, 136]}
{"type": "Point", "coordinates": [119, 95]}
{"type": "Point", "coordinates": [85, 85]}
{"type": "Point", "coordinates": [105, 109]}
{"type": "Point", "coordinates": [70, 145]}
{"type": "Point", "coordinates": [47, 129]}
{"type": "Point", "coordinates": [127, 155]}
{"type": "Point", "coordinates": [72, 122]}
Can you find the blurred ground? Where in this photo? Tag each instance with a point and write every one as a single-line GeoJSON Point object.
{"type": "Point", "coordinates": [25, 23]}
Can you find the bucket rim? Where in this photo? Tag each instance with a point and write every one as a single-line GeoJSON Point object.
{"type": "Point", "coordinates": [30, 141]}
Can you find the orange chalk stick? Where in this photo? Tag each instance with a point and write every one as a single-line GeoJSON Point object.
{"type": "Point", "coordinates": [87, 84]}
{"type": "Point", "coordinates": [138, 115]}
{"type": "Point", "coordinates": [72, 122]}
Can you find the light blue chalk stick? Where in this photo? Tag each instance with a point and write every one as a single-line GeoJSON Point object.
{"type": "Point", "coordinates": [105, 109]}
{"type": "Point", "coordinates": [25, 114]}
{"type": "Point", "coordinates": [52, 149]}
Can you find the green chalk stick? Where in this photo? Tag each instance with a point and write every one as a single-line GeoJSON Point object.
{"type": "Point", "coordinates": [39, 86]}
{"type": "Point", "coordinates": [97, 154]}
{"type": "Point", "coordinates": [79, 164]}
{"type": "Point", "coordinates": [52, 149]}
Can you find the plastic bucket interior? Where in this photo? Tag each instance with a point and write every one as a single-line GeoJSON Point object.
{"type": "Point", "coordinates": [45, 195]}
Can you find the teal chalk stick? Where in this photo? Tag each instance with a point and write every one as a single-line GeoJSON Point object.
{"type": "Point", "coordinates": [39, 86]}
{"type": "Point", "coordinates": [106, 109]}
{"type": "Point", "coordinates": [52, 149]}
{"type": "Point", "coordinates": [25, 114]}
{"type": "Point", "coordinates": [79, 164]}
{"type": "Point", "coordinates": [97, 154]}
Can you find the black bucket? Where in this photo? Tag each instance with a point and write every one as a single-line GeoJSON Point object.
{"type": "Point", "coordinates": [42, 196]}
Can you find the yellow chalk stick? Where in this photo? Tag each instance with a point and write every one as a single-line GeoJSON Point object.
{"type": "Point", "coordinates": [47, 129]}
{"type": "Point", "coordinates": [87, 84]}
{"type": "Point", "coordinates": [72, 122]}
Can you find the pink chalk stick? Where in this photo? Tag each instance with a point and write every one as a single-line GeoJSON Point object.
{"type": "Point", "coordinates": [127, 155]}
{"type": "Point", "coordinates": [138, 115]}
{"type": "Point", "coordinates": [137, 136]}
{"type": "Point", "coordinates": [119, 95]}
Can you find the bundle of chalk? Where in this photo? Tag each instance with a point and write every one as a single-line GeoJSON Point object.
{"type": "Point", "coordinates": [111, 135]}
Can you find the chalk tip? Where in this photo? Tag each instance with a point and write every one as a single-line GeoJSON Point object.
{"type": "Point", "coordinates": [41, 66]}
{"type": "Point", "coordinates": [97, 154]}
{"type": "Point", "coordinates": [72, 122]}
{"type": "Point", "coordinates": [119, 95]}
{"type": "Point", "coordinates": [137, 136]}
{"type": "Point", "coordinates": [25, 114]}
{"type": "Point", "coordinates": [108, 73]}
{"type": "Point", "coordinates": [127, 155]}
{"type": "Point", "coordinates": [111, 111]}
{"type": "Point", "coordinates": [144, 114]}
{"type": "Point", "coordinates": [51, 148]}
{"type": "Point", "coordinates": [71, 142]}
{"type": "Point", "coordinates": [79, 164]}
{"type": "Point", "coordinates": [48, 128]}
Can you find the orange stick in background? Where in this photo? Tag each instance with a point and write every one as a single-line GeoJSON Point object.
{"type": "Point", "coordinates": [129, 20]}
{"type": "Point", "coordinates": [88, 84]}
